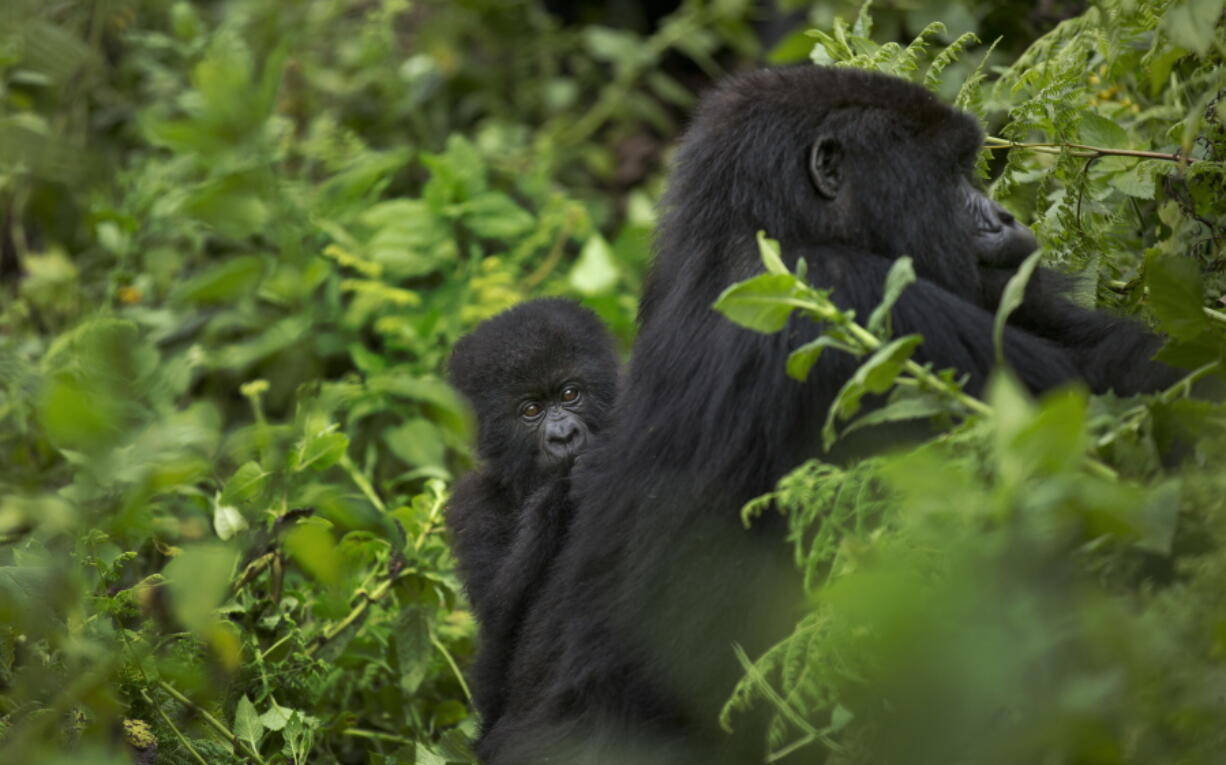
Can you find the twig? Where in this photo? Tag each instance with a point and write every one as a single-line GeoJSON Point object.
{"type": "Point", "coordinates": [792, 716]}
{"type": "Point", "coordinates": [452, 662]}
{"type": "Point", "coordinates": [174, 728]}
{"type": "Point", "coordinates": [216, 724]}
{"type": "Point", "coordinates": [367, 598]}
{"type": "Point", "coordinates": [1082, 150]}
{"type": "Point", "coordinates": [356, 476]}
{"type": "Point", "coordinates": [375, 735]}
{"type": "Point", "coordinates": [555, 253]}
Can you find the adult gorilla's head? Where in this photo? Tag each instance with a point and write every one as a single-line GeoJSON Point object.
{"type": "Point", "coordinates": [831, 157]}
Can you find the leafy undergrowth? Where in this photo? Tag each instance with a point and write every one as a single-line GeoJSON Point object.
{"type": "Point", "coordinates": [1046, 581]}
{"type": "Point", "coordinates": [237, 242]}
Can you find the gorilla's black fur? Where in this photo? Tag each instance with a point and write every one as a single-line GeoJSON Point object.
{"type": "Point", "coordinates": [542, 378]}
{"type": "Point", "coordinates": [626, 655]}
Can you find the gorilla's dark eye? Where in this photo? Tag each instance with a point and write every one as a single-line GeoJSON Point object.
{"type": "Point", "coordinates": [570, 394]}
{"type": "Point", "coordinates": [531, 410]}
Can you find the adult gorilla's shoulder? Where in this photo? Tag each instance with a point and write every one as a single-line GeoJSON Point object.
{"type": "Point", "coordinates": [630, 649]}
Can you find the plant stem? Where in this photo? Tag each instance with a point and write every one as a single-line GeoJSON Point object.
{"type": "Point", "coordinates": [356, 476]}
{"type": "Point", "coordinates": [1082, 150]}
{"type": "Point", "coordinates": [375, 735]}
{"type": "Point", "coordinates": [455, 668]}
{"type": "Point", "coordinates": [216, 724]}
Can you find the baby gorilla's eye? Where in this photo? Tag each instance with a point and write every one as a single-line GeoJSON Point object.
{"type": "Point", "coordinates": [531, 410]}
{"type": "Point", "coordinates": [570, 394]}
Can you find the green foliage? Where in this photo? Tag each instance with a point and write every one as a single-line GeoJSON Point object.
{"type": "Point", "coordinates": [238, 240]}
{"type": "Point", "coordinates": [1042, 582]}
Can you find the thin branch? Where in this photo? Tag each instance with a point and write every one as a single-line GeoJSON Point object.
{"type": "Point", "coordinates": [187, 744]}
{"type": "Point", "coordinates": [452, 662]}
{"type": "Point", "coordinates": [360, 480]}
{"type": "Point", "coordinates": [367, 598]}
{"type": "Point", "coordinates": [216, 724]}
{"type": "Point", "coordinates": [376, 735]}
{"type": "Point", "coordinates": [1082, 150]}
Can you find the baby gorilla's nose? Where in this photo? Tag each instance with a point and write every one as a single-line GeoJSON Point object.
{"type": "Point", "coordinates": [563, 437]}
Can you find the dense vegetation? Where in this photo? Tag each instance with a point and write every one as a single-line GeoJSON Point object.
{"type": "Point", "coordinates": [238, 240]}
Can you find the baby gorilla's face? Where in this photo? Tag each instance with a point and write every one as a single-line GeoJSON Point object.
{"type": "Point", "coordinates": [555, 421]}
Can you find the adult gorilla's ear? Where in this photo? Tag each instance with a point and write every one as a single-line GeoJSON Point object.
{"type": "Point", "coordinates": [826, 166]}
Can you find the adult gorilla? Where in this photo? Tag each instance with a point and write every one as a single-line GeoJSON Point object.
{"type": "Point", "coordinates": [627, 654]}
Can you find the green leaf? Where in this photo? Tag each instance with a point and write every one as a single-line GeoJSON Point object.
{"type": "Point", "coordinates": [223, 282]}
{"type": "Point", "coordinates": [1176, 294]}
{"type": "Point", "coordinates": [1159, 517]}
{"type": "Point", "coordinates": [227, 521]}
{"type": "Point", "coordinates": [416, 441]}
{"type": "Point", "coordinates": [313, 548]}
{"type": "Point", "coordinates": [762, 303]}
{"type": "Point", "coordinates": [876, 375]}
{"type": "Point", "coordinates": [1010, 300]}
{"type": "Point", "coordinates": [247, 725]}
{"type": "Point", "coordinates": [594, 272]}
{"type": "Point", "coordinates": [1193, 23]}
{"type": "Point", "coordinates": [276, 717]}
{"type": "Point", "coordinates": [772, 259]}
{"type": "Point", "coordinates": [246, 483]}
{"type": "Point", "coordinates": [493, 215]}
{"type": "Point", "coordinates": [801, 360]}
{"type": "Point", "coordinates": [198, 580]}
{"type": "Point", "coordinates": [1099, 131]}
{"type": "Point", "coordinates": [321, 450]}
{"type": "Point", "coordinates": [902, 273]}
{"type": "Point", "coordinates": [918, 407]}
{"type": "Point", "coordinates": [413, 650]}
{"type": "Point", "coordinates": [1054, 440]}
{"type": "Point", "coordinates": [1137, 181]}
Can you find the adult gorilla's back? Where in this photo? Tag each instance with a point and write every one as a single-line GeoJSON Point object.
{"type": "Point", "coordinates": [627, 655]}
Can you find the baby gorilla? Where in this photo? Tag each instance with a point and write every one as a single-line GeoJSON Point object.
{"type": "Point", "coordinates": [542, 378]}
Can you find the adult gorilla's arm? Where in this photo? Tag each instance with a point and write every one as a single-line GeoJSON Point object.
{"type": "Point", "coordinates": [957, 332]}
{"type": "Point", "coordinates": [1110, 352]}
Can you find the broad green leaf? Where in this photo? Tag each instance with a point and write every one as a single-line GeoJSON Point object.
{"type": "Point", "coordinates": [493, 215]}
{"type": "Point", "coordinates": [1054, 440]}
{"type": "Point", "coordinates": [223, 282]}
{"type": "Point", "coordinates": [247, 725]}
{"type": "Point", "coordinates": [198, 580]}
{"type": "Point", "coordinates": [1158, 517]}
{"type": "Point", "coordinates": [281, 335]}
{"type": "Point", "coordinates": [1137, 181]}
{"type": "Point", "coordinates": [772, 259]}
{"type": "Point", "coordinates": [458, 173]}
{"type": "Point", "coordinates": [902, 273]}
{"type": "Point", "coordinates": [234, 205]}
{"type": "Point", "coordinates": [320, 451]}
{"type": "Point", "coordinates": [1010, 300]}
{"type": "Point", "coordinates": [876, 375]}
{"type": "Point", "coordinates": [1099, 131]}
{"type": "Point", "coordinates": [595, 272]}
{"type": "Point", "coordinates": [276, 717]}
{"type": "Point", "coordinates": [313, 548]}
{"type": "Point", "coordinates": [919, 407]}
{"type": "Point", "coordinates": [417, 441]}
{"type": "Point", "coordinates": [246, 483]}
{"type": "Point", "coordinates": [413, 649]}
{"type": "Point", "coordinates": [762, 303]}
{"type": "Point", "coordinates": [227, 520]}
{"type": "Point", "coordinates": [801, 360]}
{"type": "Point", "coordinates": [1012, 409]}
{"type": "Point", "coordinates": [1193, 23]}
{"type": "Point", "coordinates": [1176, 294]}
